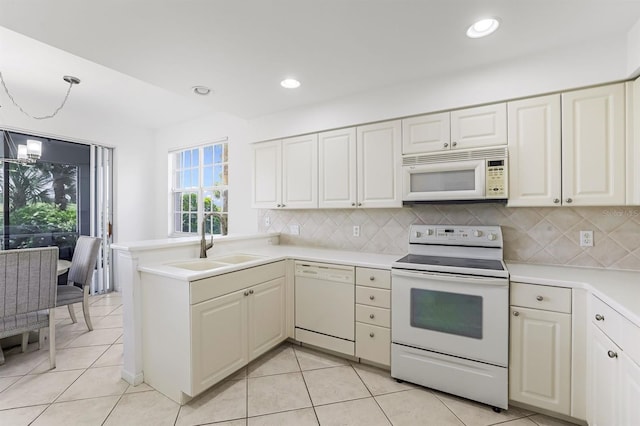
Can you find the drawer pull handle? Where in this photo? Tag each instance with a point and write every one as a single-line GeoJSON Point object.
{"type": "Point", "coordinates": [539, 298]}
{"type": "Point", "coordinates": [250, 291]}
{"type": "Point", "coordinates": [516, 313]}
{"type": "Point", "coordinates": [612, 354]}
{"type": "Point", "coordinates": [372, 316]}
{"type": "Point", "coordinates": [372, 297]}
{"type": "Point", "coordinates": [371, 278]}
{"type": "Point", "coordinates": [246, 293]}
{"type": "Point", "coordinates": [371, 335]}
{"type": "Point", "coordinates": [599, 317]}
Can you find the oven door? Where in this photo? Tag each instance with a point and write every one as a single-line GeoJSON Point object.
{"type": "Point", "coordinates": [460, 315]}
{"type": "Point", "coordinates": [459, 180]}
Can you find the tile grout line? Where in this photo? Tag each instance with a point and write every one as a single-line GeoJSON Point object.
{"type": "Point", "coordinates": [372, 395]}
{"type": "Point", "coordinates": [313, 407]}
{"type": "Point", "coordinates": [448, 408]}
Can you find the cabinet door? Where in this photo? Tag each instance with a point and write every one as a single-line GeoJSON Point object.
{"type": "Point", "coordinates": [379, 165]}
{"type": "Point", "coordinates": [629, 391]}
{"type": "Point", "coordinates": [540, 365]}
{"type": "Point", "coordinates": [218, 339]}
{"type": "Point", "coordinates": [267, 175]}
{"type": "Point", "coordinates": [593, 146]}
{"type": "Point", "coordinates": [337, 168]}
{"type": "Point", "coordinates": [603, 380]}
{"type": "Point", "coordinates": [266, 316]}
{"type": "Point", "coordinates": [480, 126]}
{"type": "Point", "coordinates": [300, 172]}
{"type": "Point", "coordinates": [426, 133]}
{"type": "Point", "coordinates": [534, 152]}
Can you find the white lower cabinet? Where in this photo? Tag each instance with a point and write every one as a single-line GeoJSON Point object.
{"type": "Point", "coordinates": [540, 347]}
{"type": "Point", "coordinates": [199, 332]}
{"type": "Point", "coordinates": [614, 368]}
{"type": "Point", "coordinates": [373, 315]}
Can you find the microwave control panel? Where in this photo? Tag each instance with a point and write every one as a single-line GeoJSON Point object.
{"type": "Point", "coordinates": [496, 179]}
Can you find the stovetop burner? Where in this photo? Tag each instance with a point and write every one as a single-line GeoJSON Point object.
{"type": "Point", "coordinates": [454, 262]}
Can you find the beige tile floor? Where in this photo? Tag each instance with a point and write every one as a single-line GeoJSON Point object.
{"type": "Point", "coordinates": [290, 385]}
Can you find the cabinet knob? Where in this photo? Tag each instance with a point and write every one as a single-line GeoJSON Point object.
{"type": "Point", "coordinates": [353, 204]}
{"type": "Point", "coordinates": [359, 204]}
{"type": "Point", "coordinates": [599, 317]}
{"type": "Point", "coordinates": [279, 205]}
{"type": "Point", "coordinates": [612, 354]}
{"type": "Point", "coordinates": [372, 316]}
{"type": "Point", "coordinates": [556, 200]}
{"type": "Point", "coordinates": [454, 144]}
{"type": "Point", "coordinates": [372, 297]}
{"type": "Point", "coordinates": [516, 314]}
{"type": "Point", "coordinates": [446, 145]}
{"type": "Point", "coordinates": [539, 298]}
{"type": "Point", "coordinates": [246, 293]}
{"type": "Point", "coordinates": [569, 200]}
{"type": "Point", "coordinates": [372, 278]}
{"type": "Point", "coordinates": [371, 335]}
{"type": "Point", "coordinates": [282, 205]}
{"type": "Point", "coordinates": [250, 291]}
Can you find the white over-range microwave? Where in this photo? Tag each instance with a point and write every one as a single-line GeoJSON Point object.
{"type": "Point", "coordinates": [464, 175]}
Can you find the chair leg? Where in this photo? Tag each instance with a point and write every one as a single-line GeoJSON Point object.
{"type": "Point", "coordinates": [25, 341]}
{"type": "Point", "coordinates": [72, 313]}
{"type": "Point", "coordinates": [52, 338]}
{"type": "Point", "coordinates": [85, 308]}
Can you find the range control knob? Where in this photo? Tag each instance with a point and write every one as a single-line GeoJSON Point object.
{"type": "Point", "coordinates": [477, 233]}
{"type": "Point", "coordinates": [492, 237]}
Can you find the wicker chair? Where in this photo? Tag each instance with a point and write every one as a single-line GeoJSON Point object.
{"type": "Point", "coordinates": [83, 263]}
{"type": "Point", "coordinates": [28, 283]}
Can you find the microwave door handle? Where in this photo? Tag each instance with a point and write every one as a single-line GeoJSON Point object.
{"type": "Point", "coordinates": [451, 277]}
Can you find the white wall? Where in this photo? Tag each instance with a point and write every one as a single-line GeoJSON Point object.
{"type": "Point", "coordinates": [633, 50]}
{"type": "Point", "coordinates": [242, 218]}
{"type": "Point", "coordinates": [549, 71]}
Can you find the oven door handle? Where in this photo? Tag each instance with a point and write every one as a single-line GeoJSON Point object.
{"type": "Point", "coordinates": [452, 277]}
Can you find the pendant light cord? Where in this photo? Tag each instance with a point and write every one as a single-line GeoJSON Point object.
{"type": "Point", "coordinates": [70, 80]}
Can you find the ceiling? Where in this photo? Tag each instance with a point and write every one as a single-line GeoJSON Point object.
{"type": "Point", "coordinates": [242, 49]}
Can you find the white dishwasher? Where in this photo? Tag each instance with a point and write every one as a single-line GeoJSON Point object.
{"type": "Point", "coordinates": [325, 306]}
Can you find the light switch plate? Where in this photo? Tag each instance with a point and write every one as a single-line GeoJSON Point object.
{"type": "Point", "coordinates": [356, 230]}
{"type": "Point", "coordinates": [267, 221]}
{"type": "Point", "coordinates": [586, 238]}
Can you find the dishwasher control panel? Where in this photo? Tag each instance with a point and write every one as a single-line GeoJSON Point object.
{"type": "Point", "coordinates": [326, 272]}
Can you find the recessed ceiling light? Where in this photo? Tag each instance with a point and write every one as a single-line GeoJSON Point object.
{"type": "Point", "coordinates": [201, 90]}
{"type": "Point", "coordinates": [483, 28]}
{"type": "Point", "coordinates": [290, 83]}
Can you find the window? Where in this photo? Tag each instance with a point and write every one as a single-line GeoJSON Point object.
{"type": "Point", "coordinates": [200, 185]}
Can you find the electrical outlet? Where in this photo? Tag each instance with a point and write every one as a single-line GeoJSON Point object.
{"type": "Point", "coordinates": [294, 229]}
{"type": "Point", "coordinates": [586, 238]}
{"type": "Point", "coordinates": [356, 230]}
{"type": "Point", "coordinates": [267, 221]}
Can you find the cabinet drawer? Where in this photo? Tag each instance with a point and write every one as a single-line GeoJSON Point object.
{"type": "Point", "coordinates": [373, 315]}
{"type": "Point", "coordinates": [373, 343]}
{"type": "Point", "coordinates": [606, 319]}
{"type": "Point", "coordinates": [373, 297]}
{"type": "Point", "coordinates": [544, 297]}
{"type": "Point", "coordinates": [373, 277]}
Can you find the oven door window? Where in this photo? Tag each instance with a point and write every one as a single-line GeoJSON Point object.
{"type": "Point", "coordinates": [451, 313]}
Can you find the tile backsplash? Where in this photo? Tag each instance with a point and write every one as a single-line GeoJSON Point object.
{"type": "Point", "coordinates": [531, 235]}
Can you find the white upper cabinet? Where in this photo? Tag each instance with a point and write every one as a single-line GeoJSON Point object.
{"type": "Point", "coordinates": [426, 133]}
{"type": "Point", "coordinates": [285, 173]}
{"type": "Point", "coordinates": [534, 151]}
{"type": "Point", "coordinates": [300, 172]}
{"type": "Point", "coordinates": [633, 142]}
{"type": "Point", "coordinates": [461, 129]}
{"type": "Point", "coordinates": [267, 174]}
{"type": "Point", "coordinates": [593, 146]}
{"type": "Point", "coordinates": [379, 174]}
{"type": "Point", "coordinates": [337, 168]}
{"type": "Point", "coordinates": [478, 127]}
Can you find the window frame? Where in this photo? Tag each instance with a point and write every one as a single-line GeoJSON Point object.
{"type": "Point", "coordinates": [199, 190]}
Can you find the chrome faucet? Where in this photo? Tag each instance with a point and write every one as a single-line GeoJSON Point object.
{"type": "Point", "coordinates": [204, 246]}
